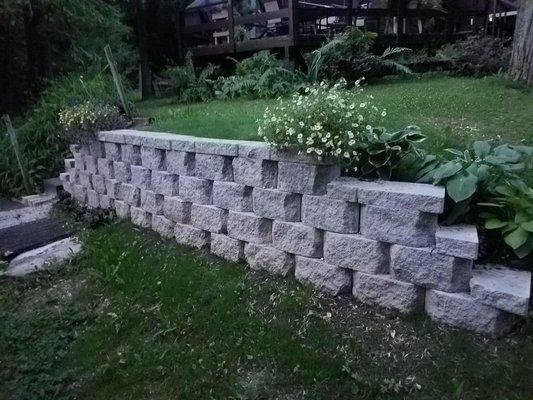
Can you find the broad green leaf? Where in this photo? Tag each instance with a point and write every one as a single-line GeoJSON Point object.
{"type": "Point", "coordinates": [447, 170]}
{"type": "Point", "coordinates": [494, 223]}
{"type": "Point", "coordinates": [528, 226]}
{"type": "Point", "coordinates": [483, 172]}
{"type": "Point", "coordinates": [455, 152]}
{"type": "Point", "coordinates": [516, 238]}
{"type": "Point", "coordinates": [482, 148]}
{"type": "Point", "coordinates": [461, 187]}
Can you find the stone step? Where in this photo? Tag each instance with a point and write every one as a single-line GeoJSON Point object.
{"type": "Point", "coordinates": [501, 287]}
{"type": "Point", "coordinates": [43, 257]}
{"type": "Point", "coordinates": [40, 199]}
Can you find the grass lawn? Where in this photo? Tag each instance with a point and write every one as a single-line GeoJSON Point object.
{"type": "Point", "coordinates": [138, 317]}
{"type": "Point", "coordinates": [451, 111]}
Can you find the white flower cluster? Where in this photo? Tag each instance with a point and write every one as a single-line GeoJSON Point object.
{"type": "Point", "coordinates": [324, 121]}
{"type": "Point", "coordinates": [86, 116]}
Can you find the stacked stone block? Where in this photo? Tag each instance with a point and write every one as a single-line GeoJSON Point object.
{"type": "Point", "coordinates": [290, 214]}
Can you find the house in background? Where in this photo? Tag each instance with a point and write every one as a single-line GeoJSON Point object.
{"type": "Point", "coordinates": [228, 27]}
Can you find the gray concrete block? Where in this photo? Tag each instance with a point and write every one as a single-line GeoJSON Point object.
{"type": "Point", "coordinates": [297, 238]}
{"type": "Point", "coordinates": [195, 190]}
{"type": "Point", "coordinates": [209, 218]}
{"type": "Point", "coordinates": [156, 141]}
{"type": "Point", "coordinates": [93, 200]}
{"type": "Point", "coordinates": [141, 176]}
{"type": "Point", "coordinates": [227, 248]}
{"type": "Point", "coordinates": [232, 196]}
{"type": "Point", "coordinates": [152, 158]}
{"type": "Point", "coordinates": [130, 194]}
{"type": "Point", "coordinates": [70, 163]}
{"type": "Point", "coordinates": [406, 227]}
{"type": "Point", "coordinates": [84, 149]}
{"type": "Point", "coordinates": [99, 184]}
{"type": "Point", "coordinates": [457, 240]}
{"type": "Point", "coordinates": [222, 147]}
{"type": "Point", "coordinates": [268, 259]}
{"type": "Point", "coordinates": [503, 288]}
{"type": "Point", "coordinates": [180, 162]}
{"type": "Point", "coordinates": [85, 179]}
{"type": "Point", "coordinates": [133, 137]}
{"type": "Point", "coordinates": [394, 195]}
{"type": "Point", "coordinates": [177, 210]}
{"type": "Point", "coordinates": [105, 168]}
{"type": "Point", "coordinates": [249, 227]}
{"type": "Point", "coordinates": [188, 235]}
{"type": "Point", "coordinates": [323, 276]}
{"type": "Point", "coordinates": [64, 177]}
{"type": "Point", "coordinates": [306, 178]}
{"type": "Point", "coordinates": [74, 176]}
{"type": "Point", "coordinates": [356, 252]}
{"type": "Point", "coordinates": [122, 171]}
{"type": "Point", "coordinates": [388, 293]}
{"type": "Point", "coordinates": [277, 204]}
{"type": "Point", "coordinates": [112, 188]}
{"type": "Point", "coordinates": [330, 214]}
{"type": "Point", "coordinates": [78, 161]}
{"type": "Point", "coordinates": [67, 187]}
{"type": "Point", "coordinates": [296, 156]}
{"type": "Point", "coordinates": [425, 267]}
{"type": "Point", "coordinates": [140, 217]}
{"type": "Point", "coordinates": [182, 143]}
{"type": "Point", "coordinates": [114, 136]}
{"type": "Point", "coordinates": [90, 164]}
{"type": "Point", "coordinates": [343, 188]}
{"type": "Point", "coordinates": [152, 202]}
{"type": "Point", "coordinates": [79, 193]}
{"type": "Point", "coordinates": [255, 172]}
{"type": "Point", "coordinates": [460, 310]}
{"type": "Point", "coordinates": [96, 149]}
{"type": "Point", "coordinates": [213, 167]}
{"type": "Point", "coordinates": [122, 209]}
{"type": "Point", "coordinates": [131, 154]}
{"type": "Point", "coordinates": [112, 151]}
{"type": "Point", "coordinates": [165, 183]}
{"type": "Point", "coordinates": [163, 226]}
{"type": "Point", "coordinates": [106, 202]}
{"type": "Point", "coordinates": [257, 150]}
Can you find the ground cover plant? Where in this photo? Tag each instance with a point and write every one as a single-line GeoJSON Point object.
{"type": "Point", "coordinates": [125, 321]}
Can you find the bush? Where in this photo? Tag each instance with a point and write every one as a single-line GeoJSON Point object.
{"type": "Point", "coordinates": [348, 56]}
{"type": "Point", "coordinates": [259, 76]}
{"type": "Point", "coordinates": [330, 121]}
{"type": "Point", "coordinates": [477, 55]}
{"type": "Point", "coordinates": [190, 84]}
{"type": "Point", "coordinates": [82, 122]}
{"type": "Point", "coordinates": [42, 142]}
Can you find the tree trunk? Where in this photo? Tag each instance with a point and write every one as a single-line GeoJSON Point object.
{"type": "Point", "coordinates": [142, 34]}
{"type": "Point", "coordinates": [521, 67]}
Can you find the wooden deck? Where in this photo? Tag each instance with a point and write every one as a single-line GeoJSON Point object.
{"type": "Point", "coordinates": [304, 26]}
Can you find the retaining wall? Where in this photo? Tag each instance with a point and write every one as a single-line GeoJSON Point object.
{"type": "Point", "coordinates": [290, 214]}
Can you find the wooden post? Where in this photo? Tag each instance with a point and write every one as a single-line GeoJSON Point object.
{"type": "Point", "coordinates": [294, 26]}
{"type": "Point", "coordinates": [16, 150]}
{"type": "Point", "coordinates": [231, 27]}
{"type": "Point", "coordinates": [117, 80]}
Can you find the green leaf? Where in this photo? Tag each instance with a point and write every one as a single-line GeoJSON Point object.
{"type": "Point", "coordinates": [516, 238]}
{"type": "Point", "coordinates": [528, 226]}
{"type": "Point", "coordinates": [447, 170]}
{"type": "Point", "coordinates": [483, 172]}
{"type": "Point", "coordinates": [461, 187]}
{"type": "Point", "coordinates": [454, 152]}
{"type": "Point", "coordinates": [482, 148]}
{"type": "Point", "coordinates": [494, 223]}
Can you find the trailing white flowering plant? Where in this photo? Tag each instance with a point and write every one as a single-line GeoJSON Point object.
{"type": "Point", "coordinates": [324, 120]}
{"type": "Point", "coordinates": [82, 122]}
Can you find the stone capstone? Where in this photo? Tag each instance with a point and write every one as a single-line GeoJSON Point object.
{"type": "Point", "coordinates": [457, 240]}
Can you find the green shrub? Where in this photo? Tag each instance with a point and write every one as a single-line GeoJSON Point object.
{"type": "Point", "coordinates": [477, 55]}
{"type": "Point", "coordinates": [189, 83]}
{"type": "Point", "coordinates": [42, 142]}
{"type": "Point", "coordinates": [259, 76]}
{"type": "Point", "coordinates": [82, 122]}
{"type": "Point", "coordinates": [348, 56]}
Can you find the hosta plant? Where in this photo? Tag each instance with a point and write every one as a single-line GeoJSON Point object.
{"type": "Point", "coordinates": [510, 211]}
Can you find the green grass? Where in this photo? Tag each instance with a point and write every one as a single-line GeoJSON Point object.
{"type": "Point", "coordinates": [139, 317]}
{"type": "Point", "coordinates": [451, 111]}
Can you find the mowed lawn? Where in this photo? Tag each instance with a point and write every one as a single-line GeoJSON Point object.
{"type": "Point", "coordinates": [139, 317]}
{"type": "Point", "coordinates": [451, 111]}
